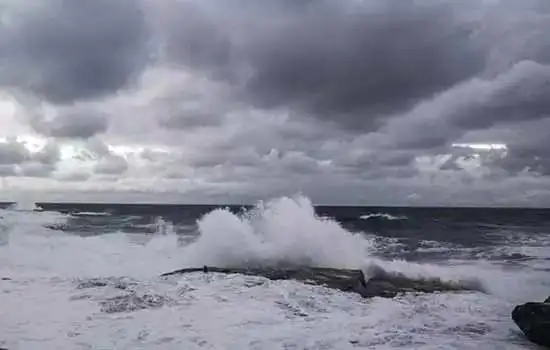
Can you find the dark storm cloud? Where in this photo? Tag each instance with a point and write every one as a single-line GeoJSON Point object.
{"type": "Point", "coordinates": [72, 123]}
{"type": "Point", "coordinates": [193, 38]}
{"type": "Point", "coordinates": [520, 94]}
{"type": "Point", "coordinates": [13, 153]}
{"type": "Point", "coordinates": [514, 96]}
{"type": "Point", "coordinates": [517, 30]}
{"type": "Point", "coordinates": [325, 59]}
{"type": "Point", "coordinates": [355, 67]}
{"type": "Point", "coordinates": [275, 96]}
{"type": "Point", "coordinates": [358, 63]}
{"type": "Point", "coordinates": [176, 116]}
{"type": "Point", "coordinates": [66, 50]}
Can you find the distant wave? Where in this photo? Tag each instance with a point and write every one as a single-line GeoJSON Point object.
{"type": "Point", "coordinates": [90, 213]}
{"type": "Point", "coordinates": [383, 216]}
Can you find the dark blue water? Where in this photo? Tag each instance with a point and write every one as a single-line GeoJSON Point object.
{"type": "Point", "coordinates": [410, 233]}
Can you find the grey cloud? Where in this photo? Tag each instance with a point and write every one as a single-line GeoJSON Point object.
{"type": "Point", "coordinates": [154, 156]}
{"type": "Point", "coordinates": [516, 31]}
{"type": "Point", "coordinates": [322, 58]}
{"type": "Point", "coordinates": [518, 95]}
{"type": "Point", "coordinates": [67, 50]}
{"type": "Point", "coordinates": [36, 169]}
{"type": "Point", "coordinates": [17, 160]}
{"type": "Point", "coordinates": [75, 177]}
{"type": "Point", "coordinates": [297, 162]}
{"type": "Point", "coordinates": [335, 98]}
{"type": "Point", "coordinates": [370, 164]}
{"type": "Point", "coordinates": [359, 63]}
{"type": "Point", "coordinates": [96, 148]}
{"type": "Point", "coordinates": [71, 123]}
{"type": "Point", "coordinates": [527, 146]}
{"type": "Point", "coordinates": [180, 99]}
{"type": "Point", "coordinates": [514, 96]}
{"type": "Point", "coordinates": [188, 117]}
{"type": "Point", "coordinates": [84, 155]}
{"type": "Point", "coordinates": [49, 155]}
{"type": "Point", "coordinates": [111, 165]}
{"type": "Point", "coordinates": [7, 170]}
{"type": "Point", "coordinates": [356, 67]}
{"type": "Point", "coordinates": [107, 162]}
{"type": "Point", "coordinates": [193, 38]}
{"type": "Point", "coordinates": [512, 102]}
{"type": "Point", "coordinates": [13, 153]}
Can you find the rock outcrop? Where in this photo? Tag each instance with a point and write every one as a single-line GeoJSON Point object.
{"type": "Point", "coordinates": [534, 321]}
{"type": "Point", "coordinates": [379, 283]}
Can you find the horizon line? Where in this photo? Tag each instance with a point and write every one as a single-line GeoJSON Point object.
{"type": "Point", "coordinates": [38, 204]}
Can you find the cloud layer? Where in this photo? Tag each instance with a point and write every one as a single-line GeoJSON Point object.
{"type": "Point", "coordinates": [345, 101]}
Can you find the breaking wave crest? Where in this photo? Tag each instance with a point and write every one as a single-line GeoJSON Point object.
{"type": "Point", "coordinates": [287, 232]}
{"type": "Point", "coordinates": [284, 231]}
{"type": "Point", "coordinates": [385, 216]}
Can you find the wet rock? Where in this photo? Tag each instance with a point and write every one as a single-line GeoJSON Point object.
{"type": "Point", "coordinates": [534, 321]}
{"type": "Point", "coordinates": [378, 284]}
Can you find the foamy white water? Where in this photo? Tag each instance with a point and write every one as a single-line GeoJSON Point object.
{"type": "Point", "coordinates": [42, 308]}
{"type": "Point", "coordinates": [382, 215]}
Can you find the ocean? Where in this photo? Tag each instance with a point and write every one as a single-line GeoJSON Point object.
{"type": "Point", "coordinates": [83, 276]}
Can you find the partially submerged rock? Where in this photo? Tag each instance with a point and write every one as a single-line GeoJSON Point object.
{"type": "Point", "coordinates": [534, 321]}
{"type": "Point", "coordinates": [379, 283]}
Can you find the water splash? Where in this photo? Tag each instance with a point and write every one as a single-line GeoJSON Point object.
{"type": "Point", "coordinates": [284, 231]}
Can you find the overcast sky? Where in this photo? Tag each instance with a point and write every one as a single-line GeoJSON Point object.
{"type": "Point", "coordinates": [345, 101]}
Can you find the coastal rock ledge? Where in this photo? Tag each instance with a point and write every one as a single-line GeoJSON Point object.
{"type": "Point", "coordinates": [378, 284]}
{"type": "Point", "coordinates": [533, 319]}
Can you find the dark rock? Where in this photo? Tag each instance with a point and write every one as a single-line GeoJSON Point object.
{"type": "Point", "coordinates": [547, 300]}
{"type": "Point", "coordinates": [534, 321]}
{"type": "Point", "coordinates": [379, 283]}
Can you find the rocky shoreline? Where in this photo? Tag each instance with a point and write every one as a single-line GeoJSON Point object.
{"type": "Point", "coordinates": [532, 318]}
{"type": "Point", "coordinates": [379, 283]}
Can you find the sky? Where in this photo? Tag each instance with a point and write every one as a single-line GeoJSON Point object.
{"type": "Point", "coordinates": [372, 102]}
